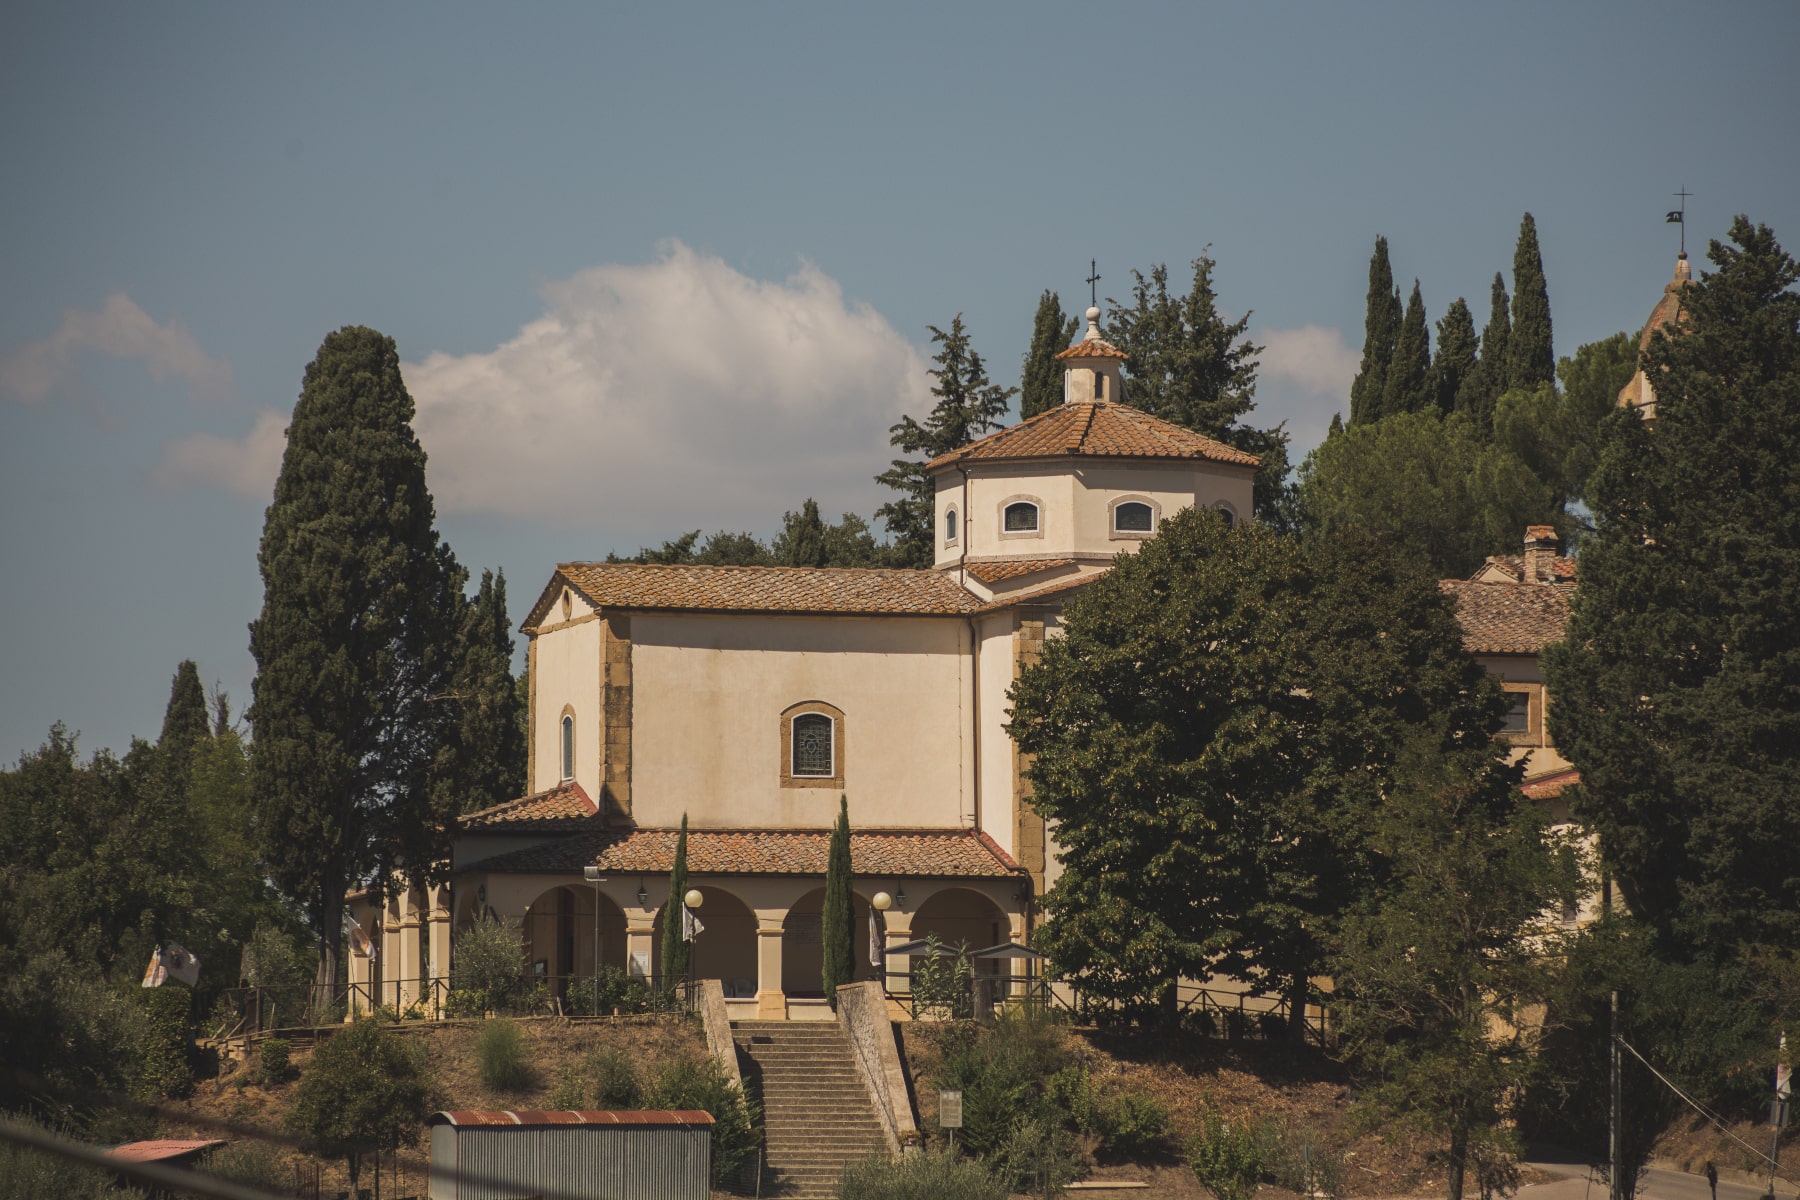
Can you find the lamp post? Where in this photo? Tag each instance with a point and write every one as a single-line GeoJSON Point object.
{"type": "Point", "coordinates": [693, 899]}
{"type": "Point", "coordinates": [593, 876]}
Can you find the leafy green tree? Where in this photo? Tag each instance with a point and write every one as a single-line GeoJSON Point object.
{"type": "Point", "coordinates": [802, 539]}
{"type": "Point", "coordinates": [366, 1090]}
{"type": "Point", "coordinates": [674, 946]}
{"type": "Point", "coordinates": [1185, 363]}
{"type": "Point", "coordinates": [484, 764]}
{"type": "Point", "coordinates": [1456, 356]}
{"type": "Point", "coordinates": [1475, 399]}
{"type": "Point", "coordinates": [1530, 357]}
{"type": "Point", "coordinates": [838, 909]}
{"type": "Point", "coordinates": [1208, 737]}
{"type": "Point", "coordinates": [968, 407]}
{"type": "Point", "coordinates": [1437, 968]}
{"type": "Point", "coordinates": [355, 645]}
{"type": "Point", "coordinates": [1675, 684]}
{"type": "Point", "coordinates": [1381, 329]}
{"type": "Point", "coordinates": [1041, 378]}
{"type": "Point", "coordinates": [1409, 383]}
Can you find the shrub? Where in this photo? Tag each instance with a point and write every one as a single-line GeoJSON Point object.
{"type": "Point", "coordinates": [164, 1069]}
{"type": "Point", "coordinates": [488, 968]}
{"type": "Point", "coordinates": [929, 1176]}
{"type": "Point", "coordinates": [1237, 1024]}
{"type": "Point", "coordinates": [1225, 1159]}
{"type": "Point", "coordinates": [1003, 1073]}
{"type": "Point", "coordinates": [943, 986]}
{"type": "Point", "coordinates": [1038, 1157]}
{"type": "Point", "coordinates": [272, 960]}
{"type": "Point", "coordinates": [501, 1057]}
{"type": "Point", "coordinates": [571, 1090]}
{"type": "Point", "coordinates": [32, 1175]}
{"type": "Point", "coordinates": [273, 1065]}
{"type": "Point", "coordinates": [607, 990]}
{"type": "Point", "coordinates": [1300, 1160]}
{"type": "Point", "coordinates": [615, 1079]}
{"type": "Point", "coordinates": [700, 1083]}
{"type": "Point", "coordinates": [1131, 1127]}
{"type": "Point", "coordinates": [251, 1165]}
{"type": "Point", "coordinates": [365, 1089]}
{"type": "Point", "coordinates": [1272, 1026]}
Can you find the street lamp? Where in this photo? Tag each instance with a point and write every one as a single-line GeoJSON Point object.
{"type": "Point", "coordinates": [694, 899]}
{"type": "Point", "coordinates": [882, 901]}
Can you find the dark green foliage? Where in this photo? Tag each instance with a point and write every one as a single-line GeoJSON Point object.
{"type": "Point", "coordinates": [186, 729]}
{"type": "Point", "coordinates": [1409, 382]}
{"type": "Point", "coordinates": [67, 1038]}
{"type": "Point", "coordinates": [607, 990]}
{"type": "Point", "coordinates": [1187, 364]}
{"type": "Point", "coordinates": [251, 1165]}
{"type": "Point", "coordinates": [1038, 1158]}
{"type": "Point", "coordinates": [501, 1057]}
{"type": "Point", "coordinates": [700, 1083]}
{"type": "Point", "coordinates": [365, 1090]}
{"type": "Point", "coordinates": [943, 984]}
{"type": "Point", "coordinates": [356, 642]}
{"type": "Point", "coordinates": [1438, 966]}
{"type": "Point", "coordinates": [1381, 330]}
{"type": "Point", "coordinates": [27, 1174]}
{"type": "Point", "coordinates": [1675, 686]}
{"type": "Point", "coordinates": [1530, 357]}
{"type": "Point", "coordinates": [1041, 378]}
{"type": "Point", "coordinates": [1225, 707]}
{"type": "Point", "coordinates": [484, 763]}
{"type": "Point", "coordinates": [674, 947]}
{"type": "Point", "coordinates": [932, 1175]}
{"type": "Point", "coordinates": [1476, 398]}
{"type": "Point", "coordinates": [272, 1061]}
{"type": "Point", "coordinates": [1004, 1074]}
{"type": "Point", "coordinates": [805, 540]}
{"type": "Point", "coordinates": [1454, 364]}
{"type": "Point", "coordinates": [615, 1079]}
{"type": "Point", "coordinates": [1298, 1159]}
{"type": "Point", "coordinates": [487, 972]}
{"type": "Point", "coordinates": [1127, 1126]}
{"type": "Point", "coordinates": [1226, 1158]}
{"type": "Point", "coordinates": [968, 407]}
{"type": "Point", "coordinates": [838, 909]}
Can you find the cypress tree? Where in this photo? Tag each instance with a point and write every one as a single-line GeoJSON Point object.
{"type": "Point", "coordinates": [838, 909]}
{"type": "Point", "coordinates": [674, 946]}
{"type": "Point", "coordinates": [355, 643]}
{"type": "Point", "coordinates": [802, 540]}
{"type": "Point", "coordinates": [1675, 682]}
{"type": "Point", "coordinates": [1480, 391]}
{"type": "Point", "coordinates": [485, 763]}
{"type": "Point", "coordinates": [1381, 327]}
{"type": "Point", "coordinates": [968, 407]}
{"type": "Point", "coordinates": [1041, 385]}
{"type": "Point", "coordinates": [1409, 371]}
{"type": "Point", "coordinates": [186, 729]}
{"type": "Point", "coordinates": [1456, 355]}
{"type": "Point", "coordinates": [1530, 359]}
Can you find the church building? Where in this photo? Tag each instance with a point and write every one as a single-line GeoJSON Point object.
{"type": "Point", "coordinates": [749, 699]}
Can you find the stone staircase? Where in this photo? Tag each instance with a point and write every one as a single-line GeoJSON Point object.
{"type": "Point", "coordinates": [817, 1115]}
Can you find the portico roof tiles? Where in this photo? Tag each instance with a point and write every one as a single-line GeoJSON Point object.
{"type": "Point", "coordinates": [1095, 428]}
{"type": "Point", "coordinates": [839, 590]}
{"type": "Point", "coordinates": [1509, 618]}
{"type": "Point", "coordinates": [565, 806]}
{"type": "Point", "coordinates": [996, 572]}
{"type": "Point", "coordinates": [1549, 787]}
{"type": "Point", "coordinates": [915, 853]}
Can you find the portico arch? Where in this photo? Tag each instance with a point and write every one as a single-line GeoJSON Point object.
{"type": "Point", "coordinates": [726, 946]}
{"type": "Point", "coordinates": [803, 948]}
{"type": "Point", "coordinates": [963, 917]}
{"type": "Point", "coordinates": [558, 934]}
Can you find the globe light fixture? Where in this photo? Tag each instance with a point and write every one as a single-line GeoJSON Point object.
{"type": "Point", "coordinates": [693, 899]}
{"type": "Point", "coordinates": [882, 901]}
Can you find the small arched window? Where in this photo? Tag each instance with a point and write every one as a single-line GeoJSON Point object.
{"type": "Point", "coordinates": [1133, 516]}
{"type": "Point", "coordinates": [568, 747]}
{"type": "Point", "coordinates": [950, 525]}
{"type": "Point", "coordinates": [1021, 517]}
{"type": "Point", "coordinates": [812, 747]}
{"type": "Point", "coordinates": [1225, 510]}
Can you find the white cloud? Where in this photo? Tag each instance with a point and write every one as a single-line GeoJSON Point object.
{"type": "Point", "coordinates": [120, 329]}
{"type": "Point", "coordinates": [1304, 377]}
{"type": "Point", "coordinates": [246, 467]}
{"type": "Point", "coordinates": [671, 395]}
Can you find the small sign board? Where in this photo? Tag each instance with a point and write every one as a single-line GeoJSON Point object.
{"type": "Point", "coordinates": [949, 1110]}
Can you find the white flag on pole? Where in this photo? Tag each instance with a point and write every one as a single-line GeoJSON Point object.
{"type": "Point", "coordinates": [360, 942]}
{"type": "Point", "coordinates": [690, 924]}
{"type": "Point", "coordinates": [182, 965]}
{"type": "Point", "coordinates": [874, 937]}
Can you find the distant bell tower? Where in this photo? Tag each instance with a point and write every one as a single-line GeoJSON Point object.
{"type": "Point", "coordinates": [1092, 367]}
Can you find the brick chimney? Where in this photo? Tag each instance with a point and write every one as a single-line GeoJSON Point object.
{"type": "Point", "coordinates": [1540, 554]}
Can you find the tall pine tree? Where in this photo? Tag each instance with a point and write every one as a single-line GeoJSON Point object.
{"type": "Point", "coordinates": [1530, 358]}
{"type": "Point", "coordinates": [356, 642]}
{"type": "Point", "coordinates": [1481, 390]}
{"type": "Point", "coordinates": [1041, 380]}
{"type": "Point", "coordinates": [1456, 355]}
{"type": "Point", "coordinates": [968, 407]}
{"type": "Point", "coordinates": [1409, 371]}
{"type": "Point", "coordinates": [838, 909]}
{"type": "Point", "coordinates": [1675, 684]}
{"type": "Point", "coordinates": [484, 764]}
{"type": "Point", "coordinates": [1381, 328]}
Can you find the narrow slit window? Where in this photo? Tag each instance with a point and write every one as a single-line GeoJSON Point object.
{"type": "Point", "coordinates": [950, 526]}
{"type": "Point", "coordinates": [1133, 517]}
{"type": "Point", "coordinates": [1021, 517]}
{"type": "Point", "coordinates": [812, 746]}
{"type": "Point", "coordinates": [568, 747]}
{"type": "Point", "coordinates": [1518, 713]}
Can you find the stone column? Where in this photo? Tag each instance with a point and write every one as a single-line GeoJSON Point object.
{"type": "Point", "coordinates": [640, 938]}
{"type": "Point", "coordinates": [356, 970]}
{"type": "Point", "coordinates": [392, 958]}
{"type": "Point", "coordinates": [411, 901]}
{"type": "Point", "coordinates": [439, 947]}
{"type": "Point", "coordinates": [771, 1001]}
{"type": "Point", "coordinates": [898, 933]}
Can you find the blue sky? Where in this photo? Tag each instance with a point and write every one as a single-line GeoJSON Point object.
{"type": "Point", "coordinates": [659, 267]}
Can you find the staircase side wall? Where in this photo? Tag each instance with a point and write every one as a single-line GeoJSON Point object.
{"type": "Point", "coordinates": [862, 1013]}
{"type": "Point", "coordinates": [717, 1023]}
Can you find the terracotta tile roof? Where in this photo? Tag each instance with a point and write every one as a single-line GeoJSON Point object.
{"type": "Point", "coordinates": [1549, 787]}
{"type": "Point", "coordinates": [1050, 591]}
{"type": "Point", "coordinates": [1561, 568]}
{"type": "Point", "coordinates": [929, 853]}
{"type": "Point", "coordinates": [1509, 618]}
{"type": "Point", "coordinates": [844, 590]}
{"type": "Point", "coordinates": [1014, 568]}
{"type": "Point", "coordinates": [1095, 428]}
{"type": "Point", "coordinates": [162, 1149]}
{"type": "Point", "coordinates": [570, 1116]}
{"type": "Point", "coordinates": [565, 806]}
{"type": "Point", "coordinates": [1091, 348]}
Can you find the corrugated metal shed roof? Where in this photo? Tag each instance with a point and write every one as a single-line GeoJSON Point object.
{"type": "Point", "coordinates": [588, 1116]}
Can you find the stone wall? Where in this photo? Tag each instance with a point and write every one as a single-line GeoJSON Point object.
{"type": "Point", "coordinates": [862, 1014]}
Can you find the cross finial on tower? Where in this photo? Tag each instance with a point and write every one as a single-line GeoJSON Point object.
{"type": "Point", "coordinates": [1092, 279]}
{"type": "Point", "coordinates": [1679, 217]}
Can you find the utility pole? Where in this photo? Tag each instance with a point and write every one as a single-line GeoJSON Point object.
{"type": "Point", "coordinates": [1778, 1110]}
{"type": "Point", "coordinates": [1615, 1116]}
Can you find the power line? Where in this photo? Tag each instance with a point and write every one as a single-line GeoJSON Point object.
{"type": "Point", "coordinates": [1717, 1121]}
